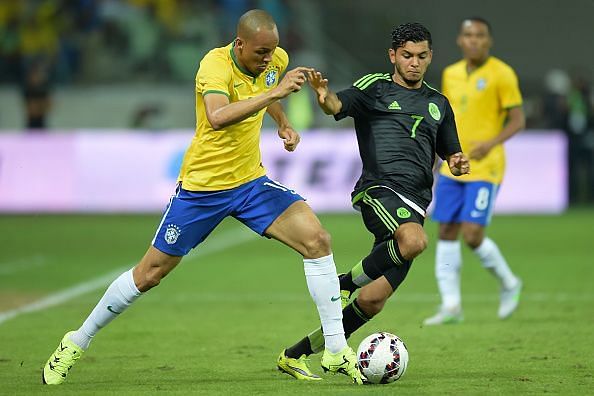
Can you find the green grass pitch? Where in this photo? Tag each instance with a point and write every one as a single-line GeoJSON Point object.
{"type": "Point", "coordinates": [218, 322]}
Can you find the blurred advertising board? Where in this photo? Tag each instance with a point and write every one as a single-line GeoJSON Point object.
{"type": "Point", "coordinates": [129, 171]}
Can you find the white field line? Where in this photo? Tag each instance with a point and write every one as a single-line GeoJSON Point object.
{"type": "Point", "coordinates": [22, 264]}
{"type": "Point", "coordinates": [221, 242]}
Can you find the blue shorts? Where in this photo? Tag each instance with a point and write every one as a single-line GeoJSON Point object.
{"type": "Point", "coordinates": [469, 202]}
{"type": "Point", "coordinates": [191, 216]}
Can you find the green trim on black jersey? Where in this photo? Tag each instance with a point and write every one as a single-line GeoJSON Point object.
{"type": "Point", "coordinates": [369, 79]}
{"type": "Point", "coordinates": [430, 87]}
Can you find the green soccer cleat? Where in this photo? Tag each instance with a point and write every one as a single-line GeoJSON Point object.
{"type": "Point", "coordinates": [343, 362]}
{"type": "Point", "coordinates": [61, 361]}
{"type": "Point", "coordinates": [345, 295]}
{"type": "Point", "coordinates": [509, 300]}
{"type": "Point", "coordinates": [297, 368]}
{"type": "Point", "coordinates": [345, 298]}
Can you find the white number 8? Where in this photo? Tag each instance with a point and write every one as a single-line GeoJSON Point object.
{"type": "Point", "coordinates": [482, 198]}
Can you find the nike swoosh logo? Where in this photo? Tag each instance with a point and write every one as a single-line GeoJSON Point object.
{"type": "Point", "coordinates": [237, 85]}
{"type": "Point", "coordinates": [334, 298]}
{"type": "Point", "coordinates": [110, 309]}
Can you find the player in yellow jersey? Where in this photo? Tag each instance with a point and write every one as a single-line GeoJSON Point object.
{"type": "Point", "coordinates": [222, 175]}
{"type": "Point", "coordinates": [487, 103]}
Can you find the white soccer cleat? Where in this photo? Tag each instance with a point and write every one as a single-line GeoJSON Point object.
{"type": "Point", "coordinates": [445, 316]}
{"type": "Point", "coordinates": [509, 300]}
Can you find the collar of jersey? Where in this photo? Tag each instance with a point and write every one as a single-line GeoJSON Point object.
{"type": "Point", "coordinates": [244, 71]}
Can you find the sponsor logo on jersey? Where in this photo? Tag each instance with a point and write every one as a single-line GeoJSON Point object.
{"type": "Point", "coordinates": [172, 233]}
{"type": "Point", "coordinates": [270, 78]}
{"type": "Point", "coordinates": [434, 111]}
{"type": "Point", "coordinates": [403, 213]}
{"type": "Point", "coordinates": [481, 84]}
{"type": "Point", "coordinates": [394, 106]}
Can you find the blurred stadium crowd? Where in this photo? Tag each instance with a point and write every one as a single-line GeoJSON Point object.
{"type": "Point", "coordinates": [93, 41]}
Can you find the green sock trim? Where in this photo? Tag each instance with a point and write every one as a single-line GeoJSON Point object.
{"type": "Point", "coordinates": [357, 270]}
{"type": "Point", "coordinates": [359, 311]}
{"type": "Point", "coordinates": [392, 252]}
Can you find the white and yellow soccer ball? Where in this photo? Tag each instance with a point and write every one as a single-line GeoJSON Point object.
{"type": "Point", "coordinates": [382, 358]}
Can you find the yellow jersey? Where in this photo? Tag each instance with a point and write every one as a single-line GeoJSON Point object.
{"type": "Point", "coordinates": [230, 157]}
{"type": "Point", "coordinates": [480, 101]}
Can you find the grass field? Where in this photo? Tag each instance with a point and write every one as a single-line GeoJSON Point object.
{"type": "Point", "coordinates": [218, 322]}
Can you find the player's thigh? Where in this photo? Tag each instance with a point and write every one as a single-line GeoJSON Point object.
{"type": "Point", "coordinates": [189, 218]}
{"type": "Point", "coordinates": [479, 201]}
{"type": "Point", "coordinates": [299, 228]}
{"type": "Point", "coordinates": [449, 200]}
{"type": "Point", "coordinates": [274, 210]}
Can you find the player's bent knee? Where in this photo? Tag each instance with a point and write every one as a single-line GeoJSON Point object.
{"type": "Point", "coordinates": [373, 297]}
{"type": "Point", "coordinates": [472, 238]}
{"type": "Point", "coordinates": [412, 247]}
{"type": "Point", "coordinates": [371, 304]}
{"type": "Point", "coordinates": [318, 244]}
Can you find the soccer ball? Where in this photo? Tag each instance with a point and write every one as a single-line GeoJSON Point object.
{"type": "Point", "coordinates": [382, 358]}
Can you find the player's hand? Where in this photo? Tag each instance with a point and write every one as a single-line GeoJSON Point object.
{"type": "Point", "coordinates": [458, 164]}
{"type": "Point", "coordinates": [293, 81]}
{"type": "Point", "coordinates": [290, 138]}
{"type": "Point", "coordinates": [319, 84]}
{"type": "Point", "coordinates": [480, 150]}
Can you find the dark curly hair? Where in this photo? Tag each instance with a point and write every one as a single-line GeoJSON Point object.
{"type": "Point", "coordinates": [414, 32]}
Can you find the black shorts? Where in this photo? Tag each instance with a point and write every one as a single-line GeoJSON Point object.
{"type": "Point", "coordinates": [383, 212]}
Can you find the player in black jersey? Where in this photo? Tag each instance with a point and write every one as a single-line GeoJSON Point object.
{"type": "Point", "coordinates": [401, 123]}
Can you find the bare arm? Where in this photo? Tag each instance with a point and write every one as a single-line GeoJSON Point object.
{"type": "Point", "coordinates": [221, 113]}
{"type": "Point", "coordinates": [516, 122]}
{"type": "Point", "coordinates": [285, 131]}
{"type": "Point", "coordinates": [327, 99]}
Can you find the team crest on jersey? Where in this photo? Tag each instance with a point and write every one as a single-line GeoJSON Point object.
{"type": "Point", "coordinates": [172, 233]}
{"type": "Point", "coordinates": [270, 78]}
{"type": "Point", "coordinates": [481, 84]}
{"type": "Point", "coordinates": [434, 111]}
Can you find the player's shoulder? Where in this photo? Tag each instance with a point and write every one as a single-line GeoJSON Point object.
{"type": "Point", "coordinates": [219, 55]}
{"type": "Point", "coordinates": [372, 80]}
{"type": "Point", "coordinates": [458, 67]}
{"type": "Point", "coordinates": [500, 67]}
{"type": "Point", "coordinates": [431, 91]}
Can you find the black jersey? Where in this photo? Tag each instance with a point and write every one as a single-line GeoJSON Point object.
{"type": "Point", "coordinates": [399, 130]}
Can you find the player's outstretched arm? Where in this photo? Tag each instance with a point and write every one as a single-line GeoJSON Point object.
{"type": "Point", "coordinates": [459, 164]}
{"type": "Point", "coordinates": [221, 113]}
{"type": "Point", "coordinates": [327, 99]}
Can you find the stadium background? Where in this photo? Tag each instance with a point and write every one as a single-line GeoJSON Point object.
{"type": "Point", "coordinates": [119, 77]}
